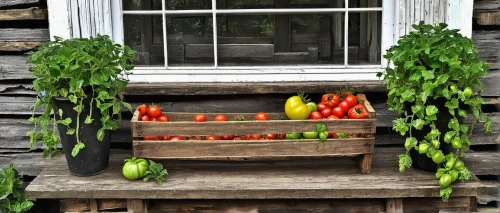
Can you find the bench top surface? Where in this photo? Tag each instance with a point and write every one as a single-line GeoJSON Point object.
{"type": "Point", "coordinates": [292, 179]}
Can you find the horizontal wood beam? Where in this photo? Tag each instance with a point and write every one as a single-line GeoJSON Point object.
{"type": "Point", "coordinates": [19, 45]}
{"type": "Point", "coordinates": [9, 3]}
{"type": "Point", "coordinates": [491, 18]}
{"type": "Point", "coordinates": [14, 67]}
{"type": "Point", "coordinates": [488, 46]}
{"type": "Point", "coordinates": [486, 5]}
{"type": "Point", "coordinates": [23, 14]}
{"type": "Point", "coordinates": [24, 35]}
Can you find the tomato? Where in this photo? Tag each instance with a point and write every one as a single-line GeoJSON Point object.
{"type": "Point", "coordinates": [448, 137]}
{"type": "Point", "coordinates": [293, 135]}
{"type": "Point", "coordinates": [166, 138]}
{"type": "Point", "coordinates": [197, 138]}
{"type": "Point", "coordinates": [454, 175]}
{"type": "Point", "coordinates": [339, 112]}
{"type": "Point", "coordinates": [142, 109]}
{"type": "Point", "coordinates": [331, 100]}
{"type": "Point", "coordinates": [211, 138]}
{"type": "Point", "coordinates": [227, 137]}
{"type": "Point", "coordinates": [457, 143]}
{"type": "Point", "coordinates": [438, 157]}
{"type": "Point", "coordinates": [315, 116]}
{"type": "Point", "coordinates": [177, 138]}
{"type": "Point", "coordinates": [296, 108]}
{"type": "Point", "coordinates": [135, 168]}
{"type": "Point", "coordinates": [237, 138]}
{"type": "Point", "coordinates": [270, 136]}
{"type": "Point", "coordinates": [282, 135]}
{"type": "Point", "coordinates": [445, 181]}
{"type": "Point", "coordinates": [333, 135]}
{"type": "Point", "coordinates": [344, 106]}
{"type": "Point", "coordinates": [326, 112]}
{"type": "Point", "coordinates": [153, 119]}
{"type": "Point", "coordinates": [312, 106]}
{"type": "Point", "coordinates": [145, 118]}
{"type": "Point", "coordinates": [423, 148]}
{"type": "Point", "coordinates": [351, 100]}
{"type": "Point", "coordinates": [332, 117]}
{"type": "Point", "coordinates": [459, 165]}
{"type": "Point", "coordinates": [154, 111]}
{"type": "Point", "coordinates": [467, 92]}
{"type": "Point", "coordinates": [321, 107]}
{"type": "Point", "coordinates": [453, 88]}
{"type": "Point", "coordinates": [310, 135]}
{"type": "Point", "coordinates": [160, 138]}
{"type": "Point", "coordinates": [220, 117]}
{"type": "Point", "coordinates": [190, 139]}
{"type": "Point", "coordinates": [357, 113]}
{"type": "Point", "coordinates": [200, 118]}
{"type": "Point", "coordinates": [261, 116]}
{"type": "Point", "coordinates": [255, 137]}
{"type": "Point", "coordinates": [150, 138]}
{"type": "Point", "coordinates": [323, 135]}
{"type": "Point", "coordinates": [435, 144]}
{"type": "Point", "coordinates": [450, 163]}
{"type": "Point", "coordinates": [162, 118]}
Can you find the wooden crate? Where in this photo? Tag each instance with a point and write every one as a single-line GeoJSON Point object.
{"type": "Point", "coordinates": [182, 124]}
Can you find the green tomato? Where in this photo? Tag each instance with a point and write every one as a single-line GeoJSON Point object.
{"type": "Point", "coordinates": [296, 109]}
{"type": "Point", "coordinates": [423, 148]}
{"type": "Point", "coordinates": [439, 174]}
{"type": "Point", "coordinates": [454, 175]}
{"type": "Point", "coordinates": [310, 135]}
{"type": "Point", "coordinates": [459, 165]}
{"type": "Point", "coordinates": [453, 88]}
{"type": "Point", "coordinates": [467, 92]}
{"type": "Point", "coordinates": [323, 136]}
{"type": "Point", "coordinates": [448, 137]}
{"type": "Point", "coordinates": [293, 135]}
{"type": "Point", "coordinates": [435, 144]}
{"type": "Point", "coordinates": [457, 143]}
{"type": "Point", "coordinates": [445, 181]}
{"type": "Point", "coordinates": [312, 106]}
{"type": "Point", "coordinates": [135, 168]}
{"type": "Point", "coordinates": [450, 164]}
{"type": "Point", "coordinates": [438, 157]}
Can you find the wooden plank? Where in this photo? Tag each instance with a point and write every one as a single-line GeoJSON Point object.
{"type": "Point", "coordinates": [486, 5]}
{"type": "Point", "coordinates": [9, 3]}
{"type": "Point", "coordinates": [484, 163]}
{"type": "Point", "coordinates": [282, 28]}
{"type": "Point", "coordinates": [23, 14]}
{"type": "Point", "coordinates": [305, 38]}
{"type": "Point", "coordinates": [488, 45]}
{"type": "Point", "coordinates": [16, 89]}
{"type": "Point", "coordinates": [492, 18]}
{"type": "Point", "coordinates": [365, 163]}
{"type": "Point", "coordinates": [323, 179]}
{"type": "Point", "coordinates": [456, 204]}
{"type": "Point", "coordinates": [137, 206]}
{"type": "Point", "coordinates": [394, 205]}
{"type": "Point", "coordinates": [16, 34]}
{"type": "Point", "coordinates": [19, 45]}
{"type": "Point", "coordinates": [17, 105]}
{"type": "Point", "coordinates": [313, 55]}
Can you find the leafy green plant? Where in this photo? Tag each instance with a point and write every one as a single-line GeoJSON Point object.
{"type": "Point", "coordinates": [12, 200]}
{"type": "Point", "coordinates": [430, 63]}
{"type": "Point", "coordinates": [156, 172]}
{"type": "Point", "coordinates": [77, 69]}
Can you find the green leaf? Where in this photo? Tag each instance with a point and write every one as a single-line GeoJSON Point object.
{"type": "Point", "coordinates": [487, 125]}
{"type": "Point", "coordinates": [65, 122]}
{"type": "Point", "coordinates": [88, 120]}
{"type": "Point", "coordinates": [400, 126]}
{"type": "Point", "coordinates": [127, 105]}
{"type": "Point", "coordinates": [156, 172]}
{"type": "Point", "coordinates": [418, 124]}
{"type": "Point", "coordinates": [410, 143]}
{"type": "Point", "coordinates": [100, 134]}
{"type": "Point", "coordinates": [452, 104]}
{"type": "Point", "coordinates": [442, 78]}
{"type": "Point", "coordinates": [70, 131]}
{"type": "Point", "coordinates": [445, 193]}
{"type": "Point", "coordinates": [464, 128]}
{"type": "Point", "coordinates": [443, 58]}
{"type": "Point", "coordinates": [453, 124]}
{"type": "Point", "coordinates": [60, 112]}
{"type": "Point", "coordinates": [431, 110]}
{"type": "Point", "coordinates": [404, 162]}
{"type": "Point", "coordinates": [76, 149]}
{"type": "Point", "coordinates": [427, 74]}
{"type": "Point", "coordinates": [73, 99]}
{"type": "Point", "coordinates": [462, 113]}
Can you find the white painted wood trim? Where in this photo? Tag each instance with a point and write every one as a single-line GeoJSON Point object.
{"type": "Point", "coordinates": [117, 21]}
{"type": "Point", "coordinates": [389, 30]}
{"type": "Point", "coordinates": [59, 18]}
{"type": "Point", "coordinates": [459, 16]}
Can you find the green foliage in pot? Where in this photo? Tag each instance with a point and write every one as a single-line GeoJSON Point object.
{"type": "Point", "coordinates": [78, 69]}
{"type": "Point", "coordinates": [12, 198]}
{"type": "Point", "coordinates": [429, 63]}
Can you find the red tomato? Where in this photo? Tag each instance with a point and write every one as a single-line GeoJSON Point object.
{"type": "Point", "coordinates": [150, 138]}
{"type": "Point", "coordinates": [321, 106]}
{"type": "Point", "coordinates": [333, 135]}
{"type": "Point", "coordinates": [357, 113]}
{"type": "Point", "coordinates": [162, 118]}
{"type": "Point", "coordinates": [344, 106]}
{"type": "Point", "coordinates": [197, 138]}
{"type": "Point", "coordinates": [160, 138]}
{"type": "Point", "coordinates": [145, 118]}
{"type": "Point", "coordinates": [270, 136]}
{"type": "Point", "coordinates": [282, 135]}
{"type": "Point", "coordinates": [153, 119]}
{"type": "Point", "coordinates": [332, 100]}
{"type": "Point", "coordinates": [315, 116]}
{"type": "Point", "coordinates": [245, 137]}
{"type": "Point", "coordinates": [227, 137]}
{"type": "Point", "coordinates": [212, 138]}
{"type": "Point", "coordinates": [177, 138]}
{"type": "Point", "coordinates": [332, 117]}
{"type": "Point", "coordinates": [220, 117]}
{"type": "Point", "coordinates": [200, 118]}
{"type": "Point", "coordinates": [166, 138]}
{"type": "Point", "coordinates": [237, 138]}
{"type": "Point", "coordinates": [339, 112]}
{"type": "Point", "coordinates": [142, 109]}
{"type": "Point", "coordinates": [255, 137]}
{"type": "Point", "coordinates": [351, 100]}
{"type": "Point", "coordinates": [326, 112]}
{"type": "Point", "coordinates": [261, 116]}
{"type": "Point", "coordinates": [154, 111]}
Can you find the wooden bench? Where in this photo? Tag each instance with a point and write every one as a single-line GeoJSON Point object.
{"type": "Point", "coordinates": [301, 185]}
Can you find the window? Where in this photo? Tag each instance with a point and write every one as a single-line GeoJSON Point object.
{"type": "Point", "coordinates": [255, 40]}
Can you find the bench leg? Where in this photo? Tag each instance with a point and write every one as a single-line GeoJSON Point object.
{"type": "Point", "coordinates": [394, 205]}
{"type": "Point", "coordinates": [365, 163]}
{"type": "Point", "coordinates": [137, 206]}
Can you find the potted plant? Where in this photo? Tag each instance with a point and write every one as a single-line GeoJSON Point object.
{"type": "Point", "coordinates": [79, 84]}
{"type": "Point", "coordinates": [433, 78]}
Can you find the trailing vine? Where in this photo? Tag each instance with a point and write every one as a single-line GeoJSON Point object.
{"type": "Point", "coordinates": [77, 69]}
{"type": "Point", "coordinates": [430, 63]}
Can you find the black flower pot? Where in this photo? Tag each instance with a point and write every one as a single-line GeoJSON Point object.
{"type": "Point", "coordinates": [94, 158]}
{"type": "Point", "coordinates": [421, 161]}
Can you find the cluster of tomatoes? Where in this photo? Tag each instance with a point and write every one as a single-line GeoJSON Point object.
{"type": "Point", "coordinates": [332, 107]}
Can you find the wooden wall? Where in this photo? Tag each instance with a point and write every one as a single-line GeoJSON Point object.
{"type": "Point", "coordinates": [24, 26]}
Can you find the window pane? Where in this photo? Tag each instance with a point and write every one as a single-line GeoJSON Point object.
{"type": "Point", "coordinates": [259, 4]}
{"type": "Point", "coordinates": [141, 4]}
{"type": "Point", "coordinates": [262, 40]}
{"type": "Point", "coordinates": [365, 3]}
{"type": "Point", "coordinates": [188, 4]}
{"type": "Point", "coordinates": [190, 41]}
{"type": "Point", "coordinates": [365, 38]}
{"type": "Point", "coordinates": [144, 34]}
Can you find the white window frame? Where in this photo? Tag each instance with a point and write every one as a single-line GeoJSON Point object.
{"type": "Point", "coordinates": [275, 73]}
